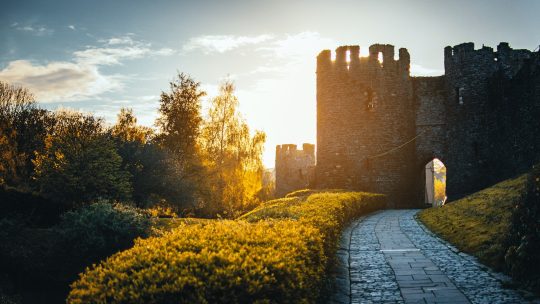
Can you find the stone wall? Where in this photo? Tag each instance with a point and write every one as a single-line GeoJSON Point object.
{"type": "Point", "coordinates": [377, 127]}
{"type": "Point", "coordinates": [294, 168]}
{"type": "Point", "coordinates": [364, 108]}
{"type": "Point", "coordinates": [475, 142]}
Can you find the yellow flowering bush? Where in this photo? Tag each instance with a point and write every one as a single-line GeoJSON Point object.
{"type": "Point", "coordinates": [278, 253]}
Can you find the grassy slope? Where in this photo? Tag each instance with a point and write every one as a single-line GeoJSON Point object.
{"type": "Point", "coordinates": [478, 224]}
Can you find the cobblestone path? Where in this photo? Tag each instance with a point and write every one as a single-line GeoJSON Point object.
{"type": "Point", "coordinates": [388, 257]}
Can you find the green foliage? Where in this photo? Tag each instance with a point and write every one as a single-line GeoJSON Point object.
{"type": "Point", "coordinates": [155, 175]}
{"type": "Point", "coordinates": [34, 208]}
{"type": "Point", "coordinates": [22, 131]}
{"type": "Point", "coordinates": [45, 261]}
{"type": "Point", "coordinates": [479, 223]}
{"type": "Point", "coordinates": [522, 257]}
{"type": "Point", "coordinates": [79, 163]}
{"type": "Point", "coordinates": [180, 118]}
{"type": "Point", "coordinates": [266, 256]}
{"type": "Point", "coordinates": [500, 225]}
{"type": "Point", "coordinates": [102, 229]}
{"type": "Point", "coordinates": [179, 124]}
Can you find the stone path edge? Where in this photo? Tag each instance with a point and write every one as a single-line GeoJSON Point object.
{"type": "Point", "coordinates": [502, 278]}
{"type": "Point", "coordinates": [343, 264]}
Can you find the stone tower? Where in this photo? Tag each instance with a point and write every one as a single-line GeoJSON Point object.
{"type": "Point", "coordinates": [294, 168]}
{"type": "Point", "coordinates": [365, 109]}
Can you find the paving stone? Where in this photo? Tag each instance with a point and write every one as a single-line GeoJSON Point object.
{"type": "Point", "coordinates": [389, 257]}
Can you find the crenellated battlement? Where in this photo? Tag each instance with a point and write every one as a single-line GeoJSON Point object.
{"type": "Point", "coordinates": [348, 59]}
{"type": "Point", "coordinates": [465, 59]}
{"type": "Point", "coordinates": [294, 168]}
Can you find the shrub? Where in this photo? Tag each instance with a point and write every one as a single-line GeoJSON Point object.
{"type": "Point", "coordinates": [101, 229]}
{"type": "Point", "coordinates": [522, 258]}
{"type": "Point", "coordinates": [46, 261]}
{"type": "Point", "coordinates": [278, 253]}
{"type": "Point", "coordinates": [35, 209]}
{"type": "Point", "coordinates": [329, 211]}
{"type": "Point", "coordinates": [308, 192]}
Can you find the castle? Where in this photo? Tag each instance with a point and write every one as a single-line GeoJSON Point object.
{"type": "Point", "coordinates": [377, 126]}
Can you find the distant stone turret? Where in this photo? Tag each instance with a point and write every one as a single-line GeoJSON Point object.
{"type": "Point", "coordinates": [294, 168]}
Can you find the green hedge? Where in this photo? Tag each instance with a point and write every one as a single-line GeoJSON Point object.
{"type": "Point", "coordinates": [523, 255]}
{"type": "Point", "coordinates": [278, 253]}
{"type": "Point", "coordinates": [36, 210]}
{"type": "Point", "coordinates": [42, 263]}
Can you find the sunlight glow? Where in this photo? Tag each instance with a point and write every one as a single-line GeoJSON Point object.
{"type": "Point", "coordinates": [435, 183]}
{"type": "Point", "coordinates": [364, 52]}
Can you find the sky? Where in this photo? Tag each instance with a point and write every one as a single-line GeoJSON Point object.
{"type": "Point", "coordinates": [99, 56]}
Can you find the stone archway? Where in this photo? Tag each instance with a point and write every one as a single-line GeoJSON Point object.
{"type": "Point", "coordinates": [435, 183]}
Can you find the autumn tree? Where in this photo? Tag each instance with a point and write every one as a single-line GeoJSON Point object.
{"type": "Point", "coordinates": [79, 163]}
{"type": "Point", "coordinates": [23, 128]}
{"type": "Point", "coordinates": [232, 155]}
{"type": "Point", "coordinates": [127, 129]}
{"type": "Point", "coordinates": [13, 102]}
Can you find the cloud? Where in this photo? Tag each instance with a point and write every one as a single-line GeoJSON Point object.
{"type": "Point", "coordinates": [109, 56]}
{"type": "Point", "coordinates": [72, 27]}
{"type": "Point", "coordinates": [37, 30]}
{"type": "Point", "coordinates": [164, 52]}
{"type": "Point", "coordinates": [302, 45]}
{"type": "Point", "coordinates": [58, 81]}
{"type": "Point", "coordinates": [222, 43]}
{"type": "Point", "coordinates": [117, 49]}
{"type": "Point", "coordinates": [120, 40]}
{"type": "Point", "coordinates": [79, 78]}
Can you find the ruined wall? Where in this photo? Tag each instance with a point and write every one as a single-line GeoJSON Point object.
{"type": "Point", "coordinates": [377, 127]}
{"type": "Point", "coordinates": [294, 168]}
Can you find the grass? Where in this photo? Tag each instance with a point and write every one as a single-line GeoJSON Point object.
{"type": "Point", "coordinates": [479, 223]}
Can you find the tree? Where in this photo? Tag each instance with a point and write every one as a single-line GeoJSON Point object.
{"type": "Point", "coordinates": [127, 130]}
{"type": "Point", "coordinates": [23, 128]}
{"type": "Point", "coordinates": [79, 163]}
{"type": "Point", "coordinates": [14, 100]}
{"type": "Point", "coordinates": [233, 157]}
{"type": "Point", "coordinates": [153, 171]}
{"type": "Point", "coordinates": [180, 120]}
{"type": "Point", "coordinates": [179, 126]}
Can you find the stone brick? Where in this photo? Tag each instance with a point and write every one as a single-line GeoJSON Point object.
{"type": "Point", "coordinates": [294, 168]}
